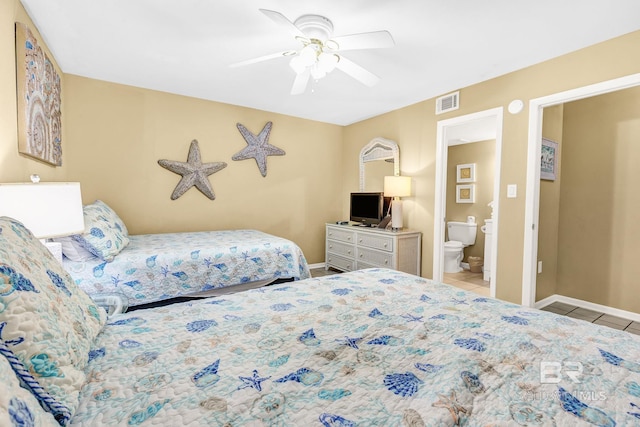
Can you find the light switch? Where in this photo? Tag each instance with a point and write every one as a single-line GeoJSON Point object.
{"type": "Point", "coordinates": [512, 191]}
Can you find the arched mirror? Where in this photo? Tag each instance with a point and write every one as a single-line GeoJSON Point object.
{"type": "Point", "coordinates": [379, 158]}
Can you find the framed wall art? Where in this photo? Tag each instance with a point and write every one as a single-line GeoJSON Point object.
{"type": "Point", "coordinates": [466, 193]}
{"type": "Point", "coordinates": [39, 99]}
{"type": "Point", "coordinates": [466, 173]}
{"type": "Point", "coordinates": [548, 159]}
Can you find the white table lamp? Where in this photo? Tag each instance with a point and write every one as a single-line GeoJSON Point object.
{"type": "Point", "coordinates": [396, 187]}
{"type": "Point", "coordinates": [47, 209]}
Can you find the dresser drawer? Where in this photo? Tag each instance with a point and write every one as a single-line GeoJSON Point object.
{"type": "Point", "coordinates": [384, 243]}
{"type": "Point", "coordinates": [341, 248]}
{"type": "Point", "coordinates": [340, 263]}
{"type": "Point", "coordinates": [346, 235]}
{"type": "Point", "coordinates": [377, 258]}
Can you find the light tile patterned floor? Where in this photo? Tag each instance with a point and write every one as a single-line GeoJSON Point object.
{"type": "Point", "coordinates": [468, 281]}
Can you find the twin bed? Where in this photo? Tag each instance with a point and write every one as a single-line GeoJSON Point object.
{"type": "Point", "coordinates": [148, 268]}
{"type": "Point", "coordinates": [370, 347]}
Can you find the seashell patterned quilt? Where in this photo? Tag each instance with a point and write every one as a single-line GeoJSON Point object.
{"type": "Point", "coordinates": [369, 348]}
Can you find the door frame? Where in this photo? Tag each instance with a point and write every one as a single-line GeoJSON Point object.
{"type": "Point", "coordinates": [444, 127]}
{"type": "Point", "coordinates": [532, 202]}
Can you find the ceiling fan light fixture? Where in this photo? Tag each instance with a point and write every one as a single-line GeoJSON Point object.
{"type": "Point", "coordinates": [327, 61]}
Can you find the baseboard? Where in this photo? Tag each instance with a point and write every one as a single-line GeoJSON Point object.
{"type": "Point", "coordinates": [465, 265]}
{"type": "Point", "coordinates": [317, 265]}
{"type": "Point", "coordinates": [589, 306]}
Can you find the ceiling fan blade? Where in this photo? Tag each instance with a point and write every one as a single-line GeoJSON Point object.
{"type": "Point", "coordinates": [282, 21]}
{"type": "Point", "coordinates": [263, 58]}
{"type": "Point", "coordinates": [300, 83]}
{"type": "Point", "coordinates": [372, 40]}
{"type": "Point", "coordinates": [365, 77]}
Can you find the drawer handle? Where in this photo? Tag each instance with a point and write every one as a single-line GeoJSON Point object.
{"type": "Point", "coordinates": [385, 245]}
{"type": "Point", "coordinates": [349, 252]}
{"type": "Point", "coordinates": [386, 261]}
{"type": "Point", "coordinates": [349, 238]}
{"type": "Point", "coordinates": [330, 234]}
{"type": "Point", "coordinates": [330, 246]}
{"type": "Point", "coordinates": [360, 255]}
{"type": "Point", "coordinates": [360, 240]}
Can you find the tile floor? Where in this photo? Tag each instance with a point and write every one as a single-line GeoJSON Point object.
{"type": "Point", "coordinates": [594, 317]}
{"type": "Point", "coordinates": [468, 281]}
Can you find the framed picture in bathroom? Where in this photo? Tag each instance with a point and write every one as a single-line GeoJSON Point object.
{"type": "Point", "coordinates": [466, 193]}
{"type": "Point", "coordinates": [466, 173]}
{"type": "Point", "coordinates": [548, 159]}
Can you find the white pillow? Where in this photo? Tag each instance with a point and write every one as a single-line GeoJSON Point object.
{"type": "Point", "coordinates": [74, 250]}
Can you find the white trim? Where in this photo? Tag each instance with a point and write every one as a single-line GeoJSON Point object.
{"type": "Point", "coordinates": [317, 265]}
{"type": "Point", "coordinates": [589, 306]}
{"type": "Point", "coordinates": [439, 219]}
{"type": "Point", "coordinates": [532, 202]}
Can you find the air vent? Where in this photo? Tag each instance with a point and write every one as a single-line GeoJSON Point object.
{"type": "Point", "coordinates": [448, 102]}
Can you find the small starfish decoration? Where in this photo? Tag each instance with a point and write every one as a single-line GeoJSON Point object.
{"type": "Point", "coordinates": [254, 381]}
{"type": "Point", "coordinates": [194, 172]}
{"type": "Point", "coordinates": [450, 403]}
{"type": "Point", "coordinates": [258, 147]}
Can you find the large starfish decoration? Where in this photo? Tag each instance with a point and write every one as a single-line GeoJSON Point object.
{"type": "Point", "coordinates": [258, 147]}
{"type": "Point", "coordinates": [194, 172]}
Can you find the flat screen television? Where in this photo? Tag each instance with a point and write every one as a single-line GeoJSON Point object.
{"type": "Point", "coordinates": [368, 208]}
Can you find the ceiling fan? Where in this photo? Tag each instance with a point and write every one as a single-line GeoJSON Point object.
{"type": "Point", "coordinates": [319, 54]}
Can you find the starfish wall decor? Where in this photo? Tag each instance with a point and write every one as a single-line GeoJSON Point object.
{"type": "Point", "coordinates": [194, 172]}
{"type": "Point", "coordinates": [258, 147]}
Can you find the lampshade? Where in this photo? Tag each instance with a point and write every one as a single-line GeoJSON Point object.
{"type": "Point", "coordinates": [48, 209]}
{"type": "Point", "coordinates": [397, 186]}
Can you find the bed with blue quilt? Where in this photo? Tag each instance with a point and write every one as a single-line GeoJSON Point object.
{"type": "Point", "coordinates": [147, 268]}
{"type": "Point", "coordinates": [373, 347]}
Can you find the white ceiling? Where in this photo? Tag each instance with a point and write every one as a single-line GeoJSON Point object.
{"type": "Point", "coordinates": [186, 46]}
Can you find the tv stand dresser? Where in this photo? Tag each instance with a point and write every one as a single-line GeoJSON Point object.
{"type": "Point", "coordinates": [349, 248]}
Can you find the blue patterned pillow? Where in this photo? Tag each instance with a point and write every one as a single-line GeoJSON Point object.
{"type": "Point", "coordinates": [18, 407]}
{"type": "Point", "coordinates": [46, 322]}
{"type": "Point", "coordinates": [105, 235]}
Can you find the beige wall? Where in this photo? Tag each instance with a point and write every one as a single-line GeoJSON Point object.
{"type": "Point", "coordinates": [599, 226]}
{"type": "Point", "coordinates": [550, 209]}
{"type": "Point", "coordinates": [116, 134]}
{"type": "Point", "coordinates": [414, 128]}
{"type": "Point", "coordinates": [15, 167]}
{"type": "Point", "coordinates": [483, 154]}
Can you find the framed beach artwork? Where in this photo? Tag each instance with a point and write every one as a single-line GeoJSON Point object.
{"type": "Point", "coordinates": [466, 172]}
{"type": "Point", "coordinates": [548, 159]}
{"type": "Point", "coordinates": [39, 99]}
{"type": "Point", "coordinates": [466, 193]}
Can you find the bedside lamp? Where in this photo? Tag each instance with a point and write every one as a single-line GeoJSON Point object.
{"type": "Point", "coordinates": [396, 187]}
{"type": "Point", "coordinates": [47, 209]}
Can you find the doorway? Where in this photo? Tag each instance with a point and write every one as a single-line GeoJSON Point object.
{"type": "Point", "coordinates": [480, 126]}
{"type": "Point", "coordinates": [532, 203]}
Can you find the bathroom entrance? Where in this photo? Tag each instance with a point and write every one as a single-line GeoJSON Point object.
{"type": "Point", "coordinates": [467, 188]}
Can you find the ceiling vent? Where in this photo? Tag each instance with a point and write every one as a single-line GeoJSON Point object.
{"type": "Point", "coordinates": [448, 102]}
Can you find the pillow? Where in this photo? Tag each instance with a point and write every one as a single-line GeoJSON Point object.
{"type": "Point", "coordinates": [46, 322]}
{"type": "Point", "coordinates": [105, 235]}
{"type": "Point", "coordinates": [74, 250]}
{"type": "Point", "coordinates": [18, 407]}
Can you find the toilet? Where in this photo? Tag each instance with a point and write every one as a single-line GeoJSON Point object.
{"type": "Point", "coordinates": [461, 235]}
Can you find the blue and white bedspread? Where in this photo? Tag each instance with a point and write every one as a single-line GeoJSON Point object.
{"type": "Point", "coordinates": [368, 348]}
{"type": "Point", "coordinates": [155, 267]}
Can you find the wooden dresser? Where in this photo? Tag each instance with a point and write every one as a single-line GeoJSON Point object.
{"type": "Point", "coordinates": [349, 248]}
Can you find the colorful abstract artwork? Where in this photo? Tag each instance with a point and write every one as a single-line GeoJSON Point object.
{"type": "Point", "coordinates": [39, 99]}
